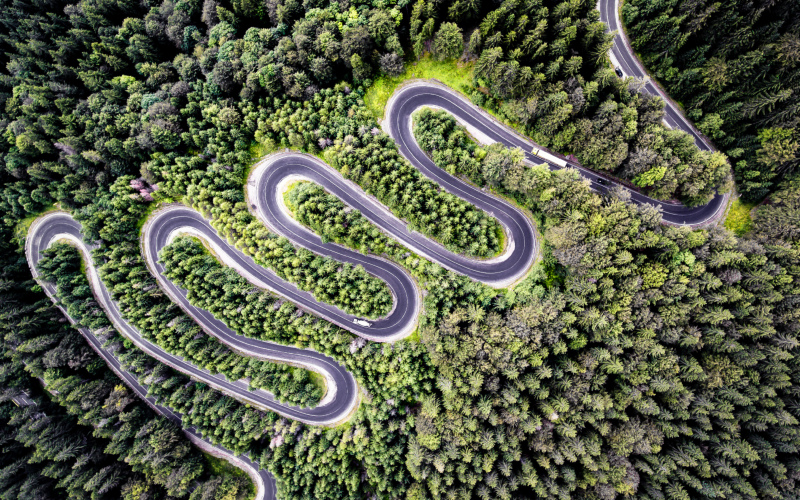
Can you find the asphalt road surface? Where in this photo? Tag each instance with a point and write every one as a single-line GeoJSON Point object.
{"type": "Point", "coordinates": [627, 62]}
{"type": "Point", "coordinates": [410, 98]}
{"type": "Point", "coordinates": [399, 323]}
{"type": "Point", "coordinates": [48, 229]}
{"type": "Point", "coordinates": [512, 264]}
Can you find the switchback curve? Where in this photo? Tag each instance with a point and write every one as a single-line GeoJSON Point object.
{"type": "Point", "coordinates": [342, 394]}
{"type": "Point", "coordinates": [409, 98]}
{"type": "Point", "coordinates": [267, 178]}
{"type": "Point", "coordinates": [264, 481]}
{"type": "Point", "coordinates": [164, 224]}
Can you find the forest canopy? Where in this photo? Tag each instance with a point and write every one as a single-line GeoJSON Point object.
{"type": "Point", "coordinates": [735, 66]}
{"type": "Point", "coordinates": [636, 359]}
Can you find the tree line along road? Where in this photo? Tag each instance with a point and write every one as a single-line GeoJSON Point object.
{"type": "Point", "coordinates": [263, 187]}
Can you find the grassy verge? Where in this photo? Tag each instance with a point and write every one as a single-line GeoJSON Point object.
{"type": "Point", "coordinates": [22, 227]}
{"type": "Point", "coordinates": [258, 150]}
{"type": "Point", "coordinates": [221, 467]}
{"type": "Point", "coordinates": [159, 200]}
{"type": "Point", "coordinates": [318, 380]}
{"type": "Point", "coordinates": [455, 74]}
{"type": "Point", "coordinates": [738, 219]}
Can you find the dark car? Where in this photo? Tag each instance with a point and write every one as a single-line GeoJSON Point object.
{"type": "Point", "coordinates": [602, 182]}
{"type": "Point", "coordinates": [618, 72]}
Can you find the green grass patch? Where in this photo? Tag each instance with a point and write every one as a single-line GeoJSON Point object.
{"type": "Point", "coordinates": [83, 268]}
{"type": "Point", "coordinates": [24, 225]}
{"type": "Point", "coordinates": [455, 74]}
{"type": "Point", "coordinates": [152, 207]}
{"type": "Point", "coordinates": [221, 467]}
{"type": "Point", "coordinates": [317, 379]}
{"type": "Point", "coordinates": [258, 150]}
{"type": "Point", "coordinates": [160, 199]}
{"type": "Point", "coordinates": [738, 219]}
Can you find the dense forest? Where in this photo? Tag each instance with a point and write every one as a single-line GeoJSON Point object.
{"type": "Point", "coordinates": [87, 435]}
{"type": "Point", "coordinates": [62, 267]}
{"type": "Point", "coordinates": [662, 362]}
{"type": "Point", "coordinates": [735, 67]}
{"type": "Point", "coordinates": [636, 359]}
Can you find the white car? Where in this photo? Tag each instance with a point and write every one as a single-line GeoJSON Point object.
{"type": "Point", "coordinates": [361, 322]}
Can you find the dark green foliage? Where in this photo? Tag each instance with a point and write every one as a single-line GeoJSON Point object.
{"type": "Point", "coordinates": [392, 64]}
{"type": "Point", "coordinates": [328, 216]}
{"type": "Point", "coordinates": [62, 266]}
{"type": "Point", "coordinates": [779, 221]}
{"type": "Point", "coordinates": [47, 455]}
{"type": "Point", "coordinates": [333, 220]}
{"type": "Point", "coordinates": [541, 65]}
{"type": "Point", "coordinates": [665, 364]}
{"type": "Point", "coordinates": [734, 67]}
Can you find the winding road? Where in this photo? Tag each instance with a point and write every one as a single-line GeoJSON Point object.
{"type": "Point", "coordinates": [408, 99]}
{"type": "Point", "coordinates": [265, 186]}
{"type": "Point", "coordinates": [339, 401]}
{"type": "Point", "coordinates": [264, 189]}
{"type": "Point", "coordinates": [61, 226]}
{"type": "Point", "coordinates": [624, 58]}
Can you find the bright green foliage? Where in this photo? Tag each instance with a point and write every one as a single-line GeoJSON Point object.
{"type": "Point", "coordinates": [738, 218]}
{"type": "Point", "coordinates": [439, 135]}
{"type": "Point", "coordinates": [541, 66]}
{"type": "Point", "coordinates": [326, 214]}
{"type": "Point", "coordinates": [448, 144]}
{"type": "Point", "coordinates": [734, 66]}
{"type": "Point", "coordinates": [289, 384]}
{"type": "Point", "coordinates": [665, 362]}
{"type": "Point", "coordinates": [448, 43]}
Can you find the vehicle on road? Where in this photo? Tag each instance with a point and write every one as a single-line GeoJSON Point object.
{"type": "Point", "coordinates": [361, 322]}
{"type": "Point", "coordinates": [602, 182]}
{"type": "Point", "coordinates": [618, 72]}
